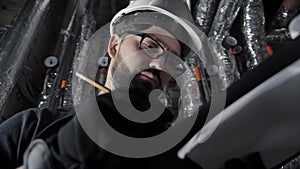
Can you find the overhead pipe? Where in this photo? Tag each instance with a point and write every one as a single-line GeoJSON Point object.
{"type": "Point", "coordinates": [15, 46]}
{"type": "Point", "coordinates": [278, 35]}
{"type": "Point", "coordinates": [87, 28]}
{"type": "Point", "coordinates": [204, 13]}
{"type": "Point", "coordinates": [278, 31]}
{"type": "Point", "coordinates": [286, 12]}
{"type": "Point", "coordinates": [80, 24]}
{"type": "Point", "coordinates": [253, 29]}
{"type": "Point", "coordinates": [223, 21]}
{"type": "Point", "coordinates": [84, 27]}
{"type": "Point", "coordinates": [65, 57]}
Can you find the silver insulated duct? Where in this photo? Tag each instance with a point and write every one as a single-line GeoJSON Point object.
{"type": "Point", "coordinates": [225, 16]}
{"type": "Point", "coordinates": [204, 14]}
{"type": "Point", "coordinates": [284, 16]}
{"type": "Point", "coordinates": [253, 28]}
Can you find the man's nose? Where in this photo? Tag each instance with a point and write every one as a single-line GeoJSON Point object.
{"type": "Point", "coordinates": [157, 63]}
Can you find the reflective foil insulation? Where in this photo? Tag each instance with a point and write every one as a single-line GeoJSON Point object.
{"type": "Point", "coordinates": [283, 17]}
{"type": "Point", "coordinates": [204, 13]}
{"type": "Point", "coordinates": [278, 35]}
{"type": "Point", "coordinates": [62, 51]}
{"type": "Point", "coordinates": [253, 28]}
{"type": "Point", "coordinates": [278, 30]}
{"type": "Point", "coordinates": [77, 28]}
{"type": "Point", "coordinates": [225, 16]}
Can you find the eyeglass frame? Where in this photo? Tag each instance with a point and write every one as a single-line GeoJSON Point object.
{"type": "Point", "coordinates": [144, 36]}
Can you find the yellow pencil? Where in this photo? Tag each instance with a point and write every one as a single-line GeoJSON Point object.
{"type": "Point", "coordinates": [93, 83]}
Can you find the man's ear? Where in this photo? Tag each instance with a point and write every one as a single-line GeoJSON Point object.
{"type": "Point", "coordinates": [113, 45]}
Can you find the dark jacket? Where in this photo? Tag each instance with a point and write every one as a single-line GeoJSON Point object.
{"type": "Point", "coordinates": [70, 147]}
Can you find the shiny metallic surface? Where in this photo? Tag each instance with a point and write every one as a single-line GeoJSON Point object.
{"type": "Point", "coordinates": [278, 35]}
{"type": "Point", "coordinates": [78, 26]}
{"type": "Point", "coordinates": [253, 28]}
{"type": "Point", "coordinates": [204, 13]}
{"type": "Point", "coordinates": [64, 42]}
{"type": "Point", "coordinates": [283, 17]}
{"type": "Point", "coordinates": [226, 14]}
{"type": "Point", "coordinates": [192, 63]}
{"type": "Point", "coordinates": [47, 89]}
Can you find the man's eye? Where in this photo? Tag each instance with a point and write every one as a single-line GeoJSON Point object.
{"type": "Point", "coordinates": [149, 45]}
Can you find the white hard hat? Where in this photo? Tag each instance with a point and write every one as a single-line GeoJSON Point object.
{"type": "Point", "coordinates": [161, 12]}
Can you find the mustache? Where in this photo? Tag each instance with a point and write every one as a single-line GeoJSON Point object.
{"type": "Point", "coordinates": [155, 73]}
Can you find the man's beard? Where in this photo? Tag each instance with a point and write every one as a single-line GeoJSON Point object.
{"type": "Point", "coordinates": [143, 87]}
{"type": "Point", "coordinates": [136, 83]}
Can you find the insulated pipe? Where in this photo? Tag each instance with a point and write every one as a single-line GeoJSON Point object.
{"type": "Point", "coordinates": [279, 25]}
{"type": "Point", "coordinates": [16, 46]}
{"type": "Point", "coordinates": [225, 16]}
{"type": "Point", "coordinates": [278, 35]}
{"type": "Point", "coordinates": [88, 27]}
{"type": "Point", "coordinates": [253, 28]}
{"type": "Point", "coordinates": [287, 11]}
{"type": "Point", "coordinates": [65, 56]}
{"type": "Point", "coordinates": [78, 26]}
{"type": "Point", "coordinates": [204, 13]}
{"type": "Point", "coordinates": [79, 23]}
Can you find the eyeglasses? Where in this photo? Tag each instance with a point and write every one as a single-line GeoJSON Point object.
{"type": "Point", "coordinates": [149, 45]}
{"type": "Point", "coordinates": [153, 49]}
